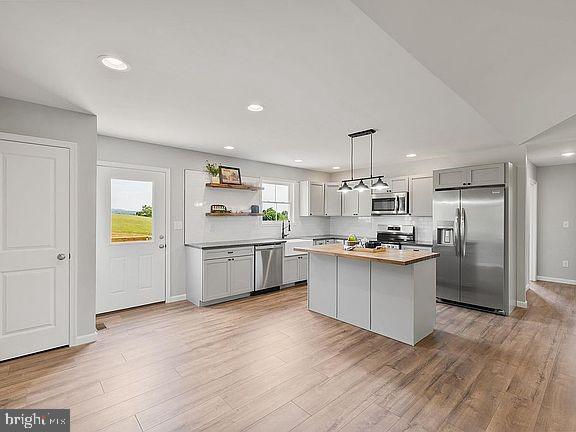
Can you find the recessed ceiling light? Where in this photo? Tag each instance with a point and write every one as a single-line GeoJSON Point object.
{"type": "Point", "coordinates": [568, 154]}
{"type": "Point", "coordinates": [298, 160]}
{"type": "Point", "coordinates": [114, 63]}
{"type": "Point", "coordinates": [411, 155]}
{"type": "Point", "coordinates": [255, 107]}
{"type": "Point", "coordinates": [229, 147]}
{"type": "Point", "coordinates": [335, 167]}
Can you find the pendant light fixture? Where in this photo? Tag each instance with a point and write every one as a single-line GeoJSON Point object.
{"type": "Point", "coordinates": [361, 186]}
{"type": "Point", "coordinates": [380, 184]}
{"type": "Point", "coordinates": [345, 188]}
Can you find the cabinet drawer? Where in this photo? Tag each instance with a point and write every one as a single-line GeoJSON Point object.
{"type": "Point", "coordinates": [227, 253]}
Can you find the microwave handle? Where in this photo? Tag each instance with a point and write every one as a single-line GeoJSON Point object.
{"type": "Point", "coordinates": [396, 203]}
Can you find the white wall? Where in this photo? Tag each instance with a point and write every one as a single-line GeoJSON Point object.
{"type": "Point", "coordinates": [514, 154]}
{"type": "Point", "coordinates": [556, 204]}
{"type": "Point", "coordinates": [26, 118]}
{"type": "Point", "coordinates": [178, 160]}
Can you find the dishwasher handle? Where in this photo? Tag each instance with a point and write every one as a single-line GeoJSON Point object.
{"type": "Point", "coordinates": [267, 247]}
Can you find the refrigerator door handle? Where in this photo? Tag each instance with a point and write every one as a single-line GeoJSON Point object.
{"type": "Point", "coordinates": [463, 231]}
{"type": "Point", "coordinates": [457, 232]}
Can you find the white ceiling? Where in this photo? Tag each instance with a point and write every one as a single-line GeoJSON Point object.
{"type": "Point", "coordinates": [546, 149]}
{"type": "Point", "coordinates": [321, 68]}
{"type": "Point", "coordinates": [514, 61]}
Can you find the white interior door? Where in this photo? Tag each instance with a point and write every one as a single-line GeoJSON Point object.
{"type": "Point", "coordinates": [131, 238]}
{"type": "Point", "coordinates": [34, 248]}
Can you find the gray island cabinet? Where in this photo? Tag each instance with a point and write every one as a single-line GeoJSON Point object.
{"type": "Point", "coordinates": [392, 293]}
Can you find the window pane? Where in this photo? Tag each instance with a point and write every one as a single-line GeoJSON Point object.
{"type": "Point", "coordinates": [269, 192]}
{"type": "Point", "coordinates": [269, 210]}
{"type": "Point", "coordinates": [282, 193]}
{"type": "Point", "coordinates": [283, 211]}
{"type": "Point", "coordinates": [131, 208]}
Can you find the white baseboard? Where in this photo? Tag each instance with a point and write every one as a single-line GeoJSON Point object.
{"type": "Point", "coordinates": [176, 298]}
{"type": "Point", "coordinates": [557, 280]}
{"type": "Point", "coordinates": [522, 304]}
{"type": "Point", "coordinates": [84, 339]}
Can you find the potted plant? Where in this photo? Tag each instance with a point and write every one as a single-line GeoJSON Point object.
{"type": "Point", "coordinates": [214, 170]}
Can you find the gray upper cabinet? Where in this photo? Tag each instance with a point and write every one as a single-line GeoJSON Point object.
{"type": "Point", "coordinates": [421, 193]}
{"type": "Point", "coordinates": [364, 203]}
{"type": "Point", "coordinates": [481, 175]}
{"type": "Point", "coordinates": [484, 175]}
{"type": "Point", "coordinates": [350, 203]}
{"type": "Point", "coordinates": [311, 198]}
{"type": "Point", "coordinates": [332, 199]}
{"type": "Point", "coordinates": [356, 203]}
{"type": "Point", "coordinates": [398, 184]}
{"type": "Point", "coordinates": [450, 178]}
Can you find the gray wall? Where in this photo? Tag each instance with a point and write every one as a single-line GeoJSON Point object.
{"type": "Point", "coordinates": [556, 204]}
{"type": "Point", "coordinates": [138, 153]}
{"type": "Point", "coordinates": [26, 118]}
{"type": "Point", "coordinates": [513, 153]}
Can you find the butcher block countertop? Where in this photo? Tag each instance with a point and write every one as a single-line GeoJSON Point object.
{"type": "Point", "coordinates": [386, 256]}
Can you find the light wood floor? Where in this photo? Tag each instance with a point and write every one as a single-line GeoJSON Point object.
{"type": "Point", "coordinates": [268, 364]}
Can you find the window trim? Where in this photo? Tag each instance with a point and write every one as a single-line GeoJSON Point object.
{"type": "Point", "coordinates": [291, 186]}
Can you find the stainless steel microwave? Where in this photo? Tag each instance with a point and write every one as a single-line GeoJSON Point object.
{"type": "Point", "coordinates": [390, 203]}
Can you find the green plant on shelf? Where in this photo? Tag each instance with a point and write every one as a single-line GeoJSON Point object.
{"type": "Point", "coordinates": [212, 168]}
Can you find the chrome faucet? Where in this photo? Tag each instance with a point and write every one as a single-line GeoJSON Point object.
{"type": "Point", "coordinates": [284, 234]}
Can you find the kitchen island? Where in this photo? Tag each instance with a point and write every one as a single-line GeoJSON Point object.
{"type": "Point", "coordinates": [390, 292]}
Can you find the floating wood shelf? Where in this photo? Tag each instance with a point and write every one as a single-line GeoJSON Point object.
{"type": "Point", "coordinates": [231, 186]}
{"type": "Point", "coordinates": [235, 214]}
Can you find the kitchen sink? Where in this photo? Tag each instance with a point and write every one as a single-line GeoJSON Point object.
{"type": "Point", "coordinates": [292, 243]}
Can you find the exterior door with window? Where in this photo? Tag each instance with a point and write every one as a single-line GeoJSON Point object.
{"type": "Point", "coordinates": [34, 248]}
{"type": "Point", "coordinates": [131, 238]}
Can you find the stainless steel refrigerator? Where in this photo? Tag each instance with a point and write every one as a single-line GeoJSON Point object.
{"type": "Point", "coordinates": [470, 235]}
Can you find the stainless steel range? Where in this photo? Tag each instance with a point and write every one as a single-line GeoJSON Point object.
{"type": "Point", "coordinates": [393, 236]}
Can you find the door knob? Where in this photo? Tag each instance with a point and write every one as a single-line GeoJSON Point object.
{"type": "Point", "coordinates": [61, 256]}
{"type": "Point", "coordinates": [161, 246]}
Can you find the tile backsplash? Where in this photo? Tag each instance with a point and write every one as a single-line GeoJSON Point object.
{"type": "Point", "coordinates": [199, 228]}
{"type": "Point", "coordinates": [368, 226]}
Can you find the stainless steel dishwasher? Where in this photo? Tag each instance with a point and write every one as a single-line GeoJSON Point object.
{"type": "Point", "coordinates": [268, 262]}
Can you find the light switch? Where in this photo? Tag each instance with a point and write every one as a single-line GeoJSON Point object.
{"type": "Point", "coordinates": [177, 225]}
{"type": "Point", "coordinates": [566, 224]}
{"type": "Point", "coordinates": [565, 264]}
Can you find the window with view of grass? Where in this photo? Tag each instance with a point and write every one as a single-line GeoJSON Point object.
{"type": "Point", "coordinates": [131, 210]}
{"type": "Point", "coordinates": [276, 201]}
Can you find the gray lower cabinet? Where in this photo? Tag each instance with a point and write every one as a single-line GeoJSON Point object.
{"type": "Point", "coordinates": [322, 298]}
{"type": "Point", "coordinates": [354, 292]}
{"type": "Point", "coordinates": [217, 274]}
{"type": "Point", "coordinates": [295, 269]}
{"type": "Point", "coordinates": [216, 279]}
{"type": "Point", "coordinates": [241, 272]}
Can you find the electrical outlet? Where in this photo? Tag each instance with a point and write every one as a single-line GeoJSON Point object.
{"type": "Point", "coordinates": [565, 264]}
{"type": "Point", "coordinates": [566, 224]}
